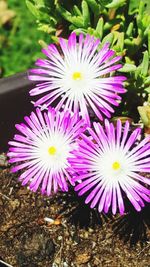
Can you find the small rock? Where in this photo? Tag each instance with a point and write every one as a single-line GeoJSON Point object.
{"type": "Point", "coordinates": [50, 248]}
{"type": "Point", "coordinates": [54, 265]}
{"type": "Point", "coordinates": [76, 238]}
{"type": "Point", "coordinates": [82, 258]}
{"type": "Point", "coordinates": [21, 258]}
{"type": "Point", "coordinates": [86, 234]}
{"type": "Point", "coordinates": [91, 230]}
{"type": "Point", "coordinates": [14, 204]}
{"type": "Point", "coordinates": [59, 237]}
{"type": "Point", "coordinates": [93, 244]}
{"type": "Point", "coordinates": [3, 160]}
{"type": "Point", "coordinates": [36, 245]}
{"type": "Point", "coordinates": [57, 261]}
{"type": "Point", "coordinates": [65, 264]}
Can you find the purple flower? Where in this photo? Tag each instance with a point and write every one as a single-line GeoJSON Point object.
{"type": "Point", "coordinates": [109, 165]}
{"type": "Point", "coordinates": [80, 76]}
{"type": "Point", "coordinates": [42, 148]}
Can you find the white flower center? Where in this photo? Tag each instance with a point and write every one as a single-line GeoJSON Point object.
{"type": "Point", "coordinates": [113, 165]}
{"type": "Point", "coordinates": [53, 150]}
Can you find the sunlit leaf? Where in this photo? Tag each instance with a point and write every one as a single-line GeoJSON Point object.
{"type": "Point", "coordinates": [128, 68]}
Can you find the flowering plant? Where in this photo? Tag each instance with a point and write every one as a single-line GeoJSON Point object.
{"type": "Point", "coordinates": [45, 143]}
{"type": "Point", "coordinates": [63, 145]}
{"type": "Point", "coordinates": [79, 77]}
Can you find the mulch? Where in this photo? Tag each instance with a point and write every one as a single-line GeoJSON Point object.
{"type": "Point", "coordinates": [61, 231]}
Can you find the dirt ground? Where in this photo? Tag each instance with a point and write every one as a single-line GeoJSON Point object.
{"type": "Point", "coordinates": [63, 232]}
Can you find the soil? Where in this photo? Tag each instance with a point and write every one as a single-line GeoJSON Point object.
{"type": "Point", "coordinates": [61, 231]}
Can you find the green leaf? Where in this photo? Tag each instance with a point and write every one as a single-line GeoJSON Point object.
{"type": "Point", "coordinates": [120, 41]}
{"type": "Point", "coordinates": [94, 6]}
{"type": "Point", "coordinates": [99, 28]}
{"type": "Point", "coordinates": [33, 9]}
{"type": "Point", "coordinates": [40, 15]}
{"type": "Point", "coordinates": [108, 38]}
{"type": "Point", "coordinates": [147, 6]}
{"type": "Point", "coordinates": [46, 28]}
{"type": "Point", "coordinates": [64, 13]}
{"type": "Point", "coordinates": [90, 31]}
{"type": "Point", "coordinates": [133, 6]}
{"type": "Point", "coordinates": [149, 43]}
{"type": "Point", "coordinates": [128, 68]}
{"type": "Point", "coordinates": [78, 21]}
{"type": "Point", "coordinates": [145, 64]}
{"type": "Point", "coordinates": [147, 80]}
{"type": "Point", "coordinates": [104, 2]}
{"type": "Point", "coordinates": [144, 112]}
{"type": "Point", "coordinates": [147, 90]}
{"type": "Point", "coordinates": [76, 11]}
{"type": "Point", "coordinates": [147, 31]}
{"type": "Point", "coordinates": [77, 31]}
{"type": "Point", "coordinates": [86, 14]}
{"type": "Point", "coordinates": [130, 29]}
{"type": "Point", "coordinates": [39, 3]}
{"type": "Point", "coordinates": [116, 4]}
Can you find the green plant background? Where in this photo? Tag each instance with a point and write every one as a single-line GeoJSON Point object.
{"type": "Point", "coordinates": [19, 46]}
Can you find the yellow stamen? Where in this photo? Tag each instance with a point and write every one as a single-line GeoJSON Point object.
{"type": "Point", "coordinates": [52, 150]}
{"type": "Point", "coordinates": [116, 165]}
{"type": "Point", "coordinates": [77, 76]}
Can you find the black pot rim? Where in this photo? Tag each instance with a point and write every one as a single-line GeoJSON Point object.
{"type": "Point", "coordinates": [15, 103]}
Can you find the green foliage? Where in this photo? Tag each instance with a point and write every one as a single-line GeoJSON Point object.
{"type": "Point", "coordinates": [145, 113]}
{"type": "Point", "coordinates": [19, 40]}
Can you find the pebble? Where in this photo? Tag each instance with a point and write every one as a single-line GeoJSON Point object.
{"type": "Point", "coordinates": [14, 204]}
{"type": "Point", "coordinates": [76, 238]}
{"type": "Point", "coordinates": [49, 248]}
{"type": "Point", "coordinates": [82, 258]}
{"type": "Point", "coordinates": [93, 244]}
{"type": "Point", "coordinates": [36, 246]}
{"type": "Point", "coordinates": [3, 160]}
{"type": "Point", "coordinates": [91, 230]}
{"type": "Point", "coordinates": [65, 264]}
{"type": "Point", "coordinates": [86, 234]}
